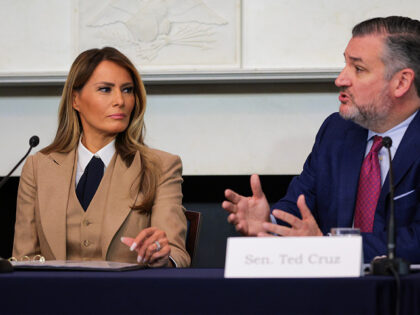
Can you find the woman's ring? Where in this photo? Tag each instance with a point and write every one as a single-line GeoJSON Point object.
{"type": "Point", "coordinates": [157, 246]}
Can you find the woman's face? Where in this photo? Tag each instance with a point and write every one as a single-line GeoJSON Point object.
{"type": "Point", "coordinates": [105, 102]}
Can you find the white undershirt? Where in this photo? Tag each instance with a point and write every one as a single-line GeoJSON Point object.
{"type": "Point", "coordinates": [84, 156]}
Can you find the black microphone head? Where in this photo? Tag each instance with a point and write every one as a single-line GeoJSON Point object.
{"type": "Point", "coordinates": [34, 141]}
{"type": "Point", "coordinates": [387, 142]}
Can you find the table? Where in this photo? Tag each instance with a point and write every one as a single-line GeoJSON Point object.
{"type": "Point", "coordinates": [199, 291]}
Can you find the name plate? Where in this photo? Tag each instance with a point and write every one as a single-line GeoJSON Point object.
{"type": "Point", "coordinates": [293, 257]}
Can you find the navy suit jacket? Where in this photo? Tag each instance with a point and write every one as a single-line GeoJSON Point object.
{"type": "Point", "coordinates": [330, 178]}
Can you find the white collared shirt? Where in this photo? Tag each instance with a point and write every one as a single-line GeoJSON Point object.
{"type": "Point", "coordinates": [396, 134]}
{"type": "Point", "coordinates": [84, 156]}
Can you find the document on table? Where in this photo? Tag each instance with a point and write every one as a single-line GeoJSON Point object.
{"type": "Point", "coordinates": [74, 265]}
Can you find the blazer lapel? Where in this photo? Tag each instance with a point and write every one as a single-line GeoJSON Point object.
{"type": "Point", "coordinates": [354, 152]}
{"type": "Point", "coordinates": [123, 191]}
{"type": "Point", "coordinates": [407, 153]}
{"type": "Point", "coordinates": [53, 199]}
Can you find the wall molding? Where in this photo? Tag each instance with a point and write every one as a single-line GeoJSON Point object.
{"type": "Point", "coordinates": [239, 77]}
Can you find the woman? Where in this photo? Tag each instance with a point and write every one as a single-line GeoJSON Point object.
{"type": "Point", "coordinates": [97, 192]}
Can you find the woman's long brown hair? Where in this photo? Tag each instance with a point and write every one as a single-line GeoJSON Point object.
{"type": "Point", "coordinates": [128, 142]}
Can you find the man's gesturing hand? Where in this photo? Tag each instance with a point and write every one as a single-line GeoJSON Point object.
{"type": "Point", "coordinates": [306, 226]}
{"type": "Point", "coordinates": [248, 213]}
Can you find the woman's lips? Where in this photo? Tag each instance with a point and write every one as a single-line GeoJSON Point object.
{"type": "Point", "coordinates": [117, 116]}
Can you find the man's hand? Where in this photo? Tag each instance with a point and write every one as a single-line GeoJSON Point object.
{"type": "Point", "coordinates": [306, 226]}
{"type": "Point", "coordinates": [248, 213]}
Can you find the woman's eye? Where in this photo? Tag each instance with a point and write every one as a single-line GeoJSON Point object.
{"type": "Point", "coordinates": [128, 89]}
{"type": "Point", "coordinates": [104, 89]}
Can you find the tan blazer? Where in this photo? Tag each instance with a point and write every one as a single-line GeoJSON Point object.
{"type": "Point", "coordinates": [42, 204]}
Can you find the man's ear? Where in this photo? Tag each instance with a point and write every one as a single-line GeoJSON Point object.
{"type": "Point", "coordinates": [402, 82]}
{"type": "Point", "coordinates": [75, 98]}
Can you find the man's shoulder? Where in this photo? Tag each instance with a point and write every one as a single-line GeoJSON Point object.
{"type": "Point", "coordinates": [335, 126]}
{"type": "Point", "coordinates": [336, 120]}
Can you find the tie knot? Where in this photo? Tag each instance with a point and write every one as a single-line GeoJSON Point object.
{"type": "Point", "coordinates": [377, 144]}
{"type": "Point", "coordinates": [96, 162]}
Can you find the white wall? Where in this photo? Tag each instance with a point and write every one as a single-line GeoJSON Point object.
{"type": "Point", "coordinates": [244, 129]}
{"type": "Point", "coordinates": [254, 131]}
{"type": "Point", "coordinates": [217, 129]}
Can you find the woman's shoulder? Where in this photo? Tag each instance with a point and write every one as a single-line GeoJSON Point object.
{"type": "Point", "coordinates": [36, 157]}
{"type": "Point", "coordinates": [165, 161]}
{"type": "Point", "coordinates": [52, 155]}
{"type": "Point", "coordinates": [164, 156]}
{"type": "Point", "coordinates": [34, 162]}
{"type": "Point", "coordinates": [40, 158]}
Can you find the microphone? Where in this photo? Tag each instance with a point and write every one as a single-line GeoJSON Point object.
{"type": "Point", "coordinates": [33, 142]}
{"type": "Point", "coordinates": [390, 264]}
{"type": "Point", "coordinates": [5, 265]}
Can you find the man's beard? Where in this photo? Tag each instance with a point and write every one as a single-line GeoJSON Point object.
{"type": "Point", "coordinates": [371, 115]}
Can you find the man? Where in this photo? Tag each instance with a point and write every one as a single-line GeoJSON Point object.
{"type": "Point", "coordinates": [344, 181]}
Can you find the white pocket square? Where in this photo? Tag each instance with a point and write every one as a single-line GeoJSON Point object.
{"type": "Point", "coordinates": [405, 194]}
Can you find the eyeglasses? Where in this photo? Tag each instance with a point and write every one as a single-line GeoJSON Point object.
{"type": "Point", "coordinates": [36, 258]}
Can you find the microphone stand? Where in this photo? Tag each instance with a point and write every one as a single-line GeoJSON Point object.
{"type": "Point", "coordinates": [390, 264]}
{"type": "Point", "coordinates": [33, 142]}
{"type": "Point", "coordinates": [5, 265]}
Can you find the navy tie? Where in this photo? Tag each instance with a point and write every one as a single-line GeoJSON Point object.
{"type": "Point", "coordinates": [89, 182]}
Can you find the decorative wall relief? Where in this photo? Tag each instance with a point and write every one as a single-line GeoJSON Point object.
{"type": "Point", "coordinates": [187, 40]}
{"type": "Point", "coordinates": [179, 34]}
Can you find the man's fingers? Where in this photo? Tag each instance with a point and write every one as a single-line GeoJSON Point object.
{"type": "Point", "coordinates": [256, 188]}
{"type": "Point", "coordinates": [276, 229]}
{"type": "Point", "coordinates": [232, 218]}
{"type": "Point", "coordinates": [230, 207]}
{"type": "Point", "coordinates": [303, 208]}
{"type": "Point", "coordinates": [264, 234]}
{"type": "Point", "coordinates": [241, 227]}
{"type": "Point", "coordinates": [288, 218]}
{"type": "Point", "coordinates": [232, 196]}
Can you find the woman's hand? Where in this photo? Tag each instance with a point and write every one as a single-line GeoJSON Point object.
{"type": "Point", "coordinates": [152, 247]}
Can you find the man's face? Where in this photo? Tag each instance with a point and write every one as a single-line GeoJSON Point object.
{"type": "Point", "coordinates": [364, 92]}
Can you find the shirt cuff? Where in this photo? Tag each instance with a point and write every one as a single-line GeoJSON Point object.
{"type": "Point", "coordinates": [173, 261]}
{"type": "Point", "coordinates": [273, 219]}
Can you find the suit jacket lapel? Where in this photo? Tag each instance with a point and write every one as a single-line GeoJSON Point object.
{"type": "Point", "coordinates": [122, 194]}
{"type": "Point", "coordinates": [354, 151]}
{"type": "Point", "coordinates": [407, 153]}
{"type": "Point", "coordinates": [57, 175]}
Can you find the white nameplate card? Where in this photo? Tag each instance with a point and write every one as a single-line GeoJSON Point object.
{"type": "Point", "coordinates": [293, 257]}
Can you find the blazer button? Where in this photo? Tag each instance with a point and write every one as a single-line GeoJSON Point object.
{"type": "Point", "coordinates": [86, 243]}
{"type": "Point", "coordinates": [86, 222]}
